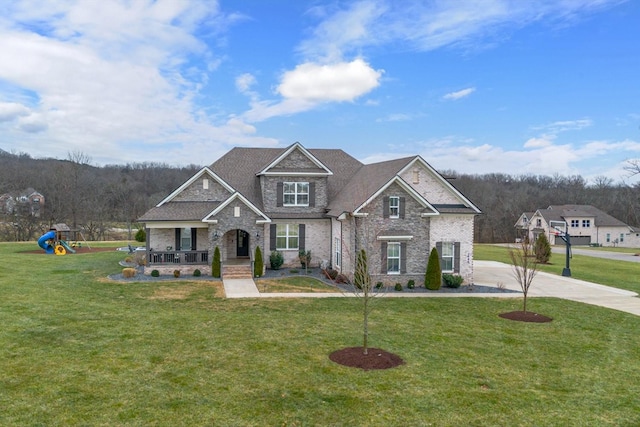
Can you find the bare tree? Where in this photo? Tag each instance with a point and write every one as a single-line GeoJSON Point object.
{"type": "Point", "coordinates": [525, 267]}
{"type": "Point", "coordinates": [633, 167]}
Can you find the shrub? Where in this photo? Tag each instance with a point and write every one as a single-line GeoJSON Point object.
{"type": "Point", "coordinates": [411, 284]}
{"type": "Point", "coordinates": [258, 265]}
{"type": "Point", "coordinates": [176, 273]}
{"type": "Point", "coordinates": [398, 287]}
{"type": "Point", "coordinates": [128, 272]}
{"type": "Point", "coordinates": [128, 260]}
{"type": "Point", "coordinates": [304, 257]}
{"type": "Point", "coordinates": [216, 267]}
{"type": "Point", "coordinates": [332, 273]}
{"type": "Point", "coordinates": [141, 235]}
{"type": "Point", "coordinates": [452, 280]}
{"type": "Point", "coordinates": [379, 285]}
{"type": "Point", "coordinates": [542, 249]}
{"type": "Point", "coordinates": [341, 278]}
{"type": "Point", "coordinates": [294, 271]}
{"type": "Point", "coordinates": [155, 273]}
{"type": "Point", "coordinates": [433, 276]}
{"type": "Point", "coordinates": [276, 260]}
{"type": "Point", "coordinates": [197, 273]}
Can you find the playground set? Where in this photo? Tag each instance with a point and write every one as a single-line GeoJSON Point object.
{"type": "Point", "coordinates": [57, 240]}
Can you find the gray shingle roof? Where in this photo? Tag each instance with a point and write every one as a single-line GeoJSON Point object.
{"type": "Point", "coordinates": [560, 212]}
{"type": "Point", "coordinates": [179, 211]}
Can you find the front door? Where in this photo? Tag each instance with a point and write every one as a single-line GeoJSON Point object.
{"type": "Point", "coordinates": [242, 247]}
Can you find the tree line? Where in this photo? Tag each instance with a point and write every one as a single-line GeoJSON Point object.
{"type": "Point", "coordinates": [94, 198]}
{"type": "Point", "coordinates": [91, 198]}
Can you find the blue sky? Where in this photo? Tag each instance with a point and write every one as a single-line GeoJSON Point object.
{"type": "Point", "coordinates": [496, 86]}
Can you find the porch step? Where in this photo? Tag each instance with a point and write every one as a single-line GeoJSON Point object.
{"type": "Point", "coordinates": [237, 272]}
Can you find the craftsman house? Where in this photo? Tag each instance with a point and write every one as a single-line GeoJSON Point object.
{"type": "Point", "coordinates": [585, 224]}
{"type": "Point", "coordinates": [319, 200]}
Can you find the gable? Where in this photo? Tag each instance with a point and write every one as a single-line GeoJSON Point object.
{"type": "Point", "coordinates": [433, 186]}
{"type": "Point", "coordinates": [296, 160]}
{"type": "Point", "coordinates": [203, 186]}
{"type": "Point", "coordinates": [398, 187]}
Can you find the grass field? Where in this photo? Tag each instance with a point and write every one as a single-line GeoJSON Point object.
{"type": "Point", "coordinates": [77, 349]}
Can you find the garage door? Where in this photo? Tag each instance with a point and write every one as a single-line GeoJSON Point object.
{"type": "Point", "coordinates": [581, 240]}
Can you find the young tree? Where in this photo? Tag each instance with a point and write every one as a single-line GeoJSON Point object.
{"type": "Point", "coordinates": [525, 267]}
{"type": "Point", "coordinates": [363, 288]}
{"type": "Point", "coordinates": [542, 249]}
{"type": "Point", "coordinates": [433, 275]}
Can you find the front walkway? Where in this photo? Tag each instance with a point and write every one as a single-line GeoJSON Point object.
{"type": "Point", "coordinates": [486, 273]}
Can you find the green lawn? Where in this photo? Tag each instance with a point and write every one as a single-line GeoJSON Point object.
{"type": "Point", "coordinates": [619, 274]}
{"type": "Point", "coordinates": [76, 349]}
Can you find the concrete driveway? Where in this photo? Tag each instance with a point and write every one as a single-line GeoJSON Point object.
{"type": "Point", "coordinates": [491, 273]}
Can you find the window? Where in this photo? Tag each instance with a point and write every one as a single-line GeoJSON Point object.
{"type": "Point", "coordinates": [393, 258]}
{"type": "Point", "coordinates": [394, 207]}
{"type": "Point", "coordinates": [286, 236]}
{"type": "Point", "coordinates": [338, 249]}
{"type": "Point", "coordinates": [586, 223]}
{"type": "Point", "coordinates": [448, 254]}
{"type": "Point", "coordinates": [205, 184]}
{"type": "Point", "coordinates": [608, 237]}
{"type": "Point", "coordinates": [295, 193]}
{"type": "Point", "coordinates": [621, 237]}
{"type": "Point", "coordinates": [185, 239]}
{"type": "Point", "coordinates": [575, 223]}
{"type": "Point", "coordinates": [538, 222]}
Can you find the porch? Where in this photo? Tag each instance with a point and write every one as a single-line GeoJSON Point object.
{"type": "Point", "coordinates": [178, 257]}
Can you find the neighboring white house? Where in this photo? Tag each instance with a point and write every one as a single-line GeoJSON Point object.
{"type": "Point", "coordinates": [585, 224]}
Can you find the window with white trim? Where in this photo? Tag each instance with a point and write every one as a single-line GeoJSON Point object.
{"type": "Point", "coordinates": [393, 258]}
{"type": "Point", "coordinates": [394, 207]}
{"type": "Point", "coordinates": [575, 223]}
{"type": "Point", "coordinates": [338, 254]}
{"type": "Point", "coordinates": [586, 223]}
{"type": "Point", "coordinates": [621, 237]}
{"type": "Point", "coordinates": [295, 194]}
{"type": "Point", "coordinates": [287, 236]}
{"type": "Point", "coordinates": [447, 257]}
{"type": "Point", "coordinates": [608, 237]}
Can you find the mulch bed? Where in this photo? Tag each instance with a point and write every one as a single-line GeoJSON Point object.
{"type": "Point", "coordinates": [375, 358]}
{"type": "Point", "coordinates": [525, 316]}
{"type": "Point", "coordinates": [80, 250]}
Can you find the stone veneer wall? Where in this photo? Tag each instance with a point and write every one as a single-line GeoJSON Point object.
{"type": "Point", "coordinates": [269, 185]}
{"type": "Point", "coordinates": [197, 192]}
{"type": "Point", "coordinates": [417, 249]}
{"type": "Point", "coordinates": [317, 240]}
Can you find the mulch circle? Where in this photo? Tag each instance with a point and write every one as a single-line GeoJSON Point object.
{"type": "Point", "coordinates": [79, 250]}
{"type": "Point", "coordinates": [375, 358]}
{"type": "Point", "coordinates": [525, 316]}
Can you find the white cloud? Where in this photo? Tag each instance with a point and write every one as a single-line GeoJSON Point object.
{"type": "Point", "coordinates": [244, 82]}
{"type": "Point", "coordinates": [542, 141]}
{"type": "Point", "coordinates": [565, 125]}
{"type": "Point", "coordinates": [425, 26]}
{"type": "Point", "coordinates": [115, 79]}
{"type": "Point", "coordinates": [312, 84]}
{"type": "Point", "coordinates": [342, 81]}
{"type": "Point", "coordinates": [459, 94]}
{"type": "Point", "coordinates": [12, 110]}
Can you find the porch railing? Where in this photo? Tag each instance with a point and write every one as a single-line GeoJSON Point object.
{"type": "Point", "coordinates": [179, 257]}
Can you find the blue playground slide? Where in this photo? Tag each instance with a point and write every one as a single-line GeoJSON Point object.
{"type": "Point", "coordinates": [42, 241]}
